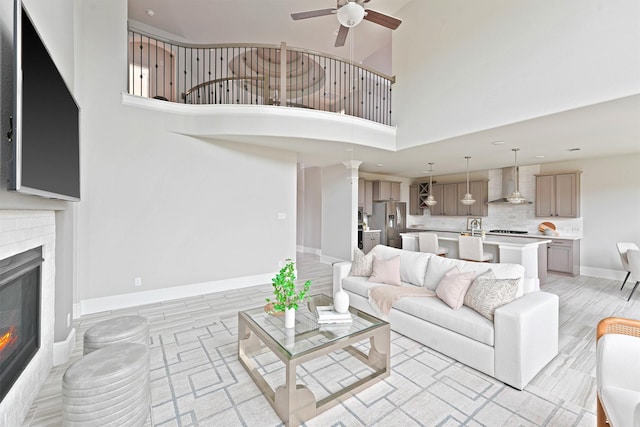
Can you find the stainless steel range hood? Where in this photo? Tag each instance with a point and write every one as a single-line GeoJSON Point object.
{"type": "Point", "coordinates": [508, 186]}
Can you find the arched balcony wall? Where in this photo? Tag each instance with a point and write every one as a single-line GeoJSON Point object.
{"type": "Point", "coordinates": [276, 75]}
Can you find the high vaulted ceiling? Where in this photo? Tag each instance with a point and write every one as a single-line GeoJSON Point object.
{"type": "Point", "coordinates": [604, 129]}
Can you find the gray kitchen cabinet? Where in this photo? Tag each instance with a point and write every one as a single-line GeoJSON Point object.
{"type": "Point", "coordinates": [368, 197]}
{"type": "Point", "coordinates": [415, 200]}
{"type": "Point", "coordinates": [386, 190]}
{"type": "Point", "coordinates": [563, 256]}
{"type": "Point", "coordinates": [558, 195]}
{"type": "Point", "coordinates": [365, 196]}
{"type": "Point", "coordinates": [369, 240]}
{"type": "Point", "coordinates": [448, 197]}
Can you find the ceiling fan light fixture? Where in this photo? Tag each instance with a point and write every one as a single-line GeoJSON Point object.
{"type": "Point", "coordinates": [351, 14]}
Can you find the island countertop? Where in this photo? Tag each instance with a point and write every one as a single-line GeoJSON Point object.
{"type": "Point", "coordinates": [510, 236]}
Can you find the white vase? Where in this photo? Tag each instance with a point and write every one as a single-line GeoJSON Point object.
{"type": "Point", "coordinates": [289, 317]}
{"type": "Point", "coordinates": [341, 301]}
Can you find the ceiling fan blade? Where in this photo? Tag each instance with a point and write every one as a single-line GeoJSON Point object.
{"type": "Point", "coordinates": [382, 19]}
{"type": "Point", "coordinates": [312, 13]}
{"type": "Point", "coordinates": [342, 36]}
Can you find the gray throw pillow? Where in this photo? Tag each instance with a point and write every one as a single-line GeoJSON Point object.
{"type": "Point", "coordinates": [485, 295]}
{"type": "Point", "coordinates": [362, 264]}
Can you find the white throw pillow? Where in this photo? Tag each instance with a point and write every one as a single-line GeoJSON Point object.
{"type": "Point", "coordinates": [386, 271]}
{"type": "Point", "coordinates": [453, 287]}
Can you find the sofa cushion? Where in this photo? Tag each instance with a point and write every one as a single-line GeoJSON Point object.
{"type": "Point", "coordinates": [386, 270]}
{"type": "Point", "coordinates": [362, 264]}
{"type": "Point", "coordinates": [464, 321]}
{"type": "Point", "coordinates": [453, 287]}
{"type": "Point", "coordinates": [485, 295]}
{"type": "Point", "coordinates": [438, 266]}
{"type": "Point", "coordinates": [361, 285]}
{"type": "Point", "coordinates": [413, 265]}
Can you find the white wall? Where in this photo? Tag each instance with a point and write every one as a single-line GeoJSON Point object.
{"type": "Point", "coordinates": [168, 208]}
{"type": "Point", "coordinates": [310, 209]}
{"type": "Point", "coordinates": [488, 63]}
{"type": "Point", "coordinates": [339, 213]}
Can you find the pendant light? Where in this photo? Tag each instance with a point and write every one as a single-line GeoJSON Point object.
{"type": "Point", "coordinates": [430, 201]}
{"type": "Point", "coordinates": [515, 197]}
{"type": "Point", "coordinates": [468, 198]}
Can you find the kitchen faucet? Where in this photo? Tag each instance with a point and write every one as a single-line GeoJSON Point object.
{"type": "Point", "coordinates": [475, 226]}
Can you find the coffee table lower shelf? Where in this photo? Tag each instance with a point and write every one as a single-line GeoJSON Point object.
{"type": "Point", "coordinates": [295, 403]}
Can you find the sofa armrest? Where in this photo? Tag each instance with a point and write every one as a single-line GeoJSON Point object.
{"type": "Point", "coordinates": [526, 337]}
{"type": "Point", "coordinates": [340, 271]}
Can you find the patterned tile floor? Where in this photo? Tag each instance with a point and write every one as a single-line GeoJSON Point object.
{"type": "Point", "coordinates": [196, 379]}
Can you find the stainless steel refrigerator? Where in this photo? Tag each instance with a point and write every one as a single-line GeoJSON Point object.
{"type": "Point", "coordinates": [390, 218]}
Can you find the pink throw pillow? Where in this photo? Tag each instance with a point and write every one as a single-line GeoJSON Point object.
{"type": "Point", "coordinates": [386, 271]}
{"type": "Point", "coordinates": [453, 287]}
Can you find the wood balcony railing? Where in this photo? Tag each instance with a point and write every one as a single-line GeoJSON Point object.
{"type": "Point", "coordinates": [255, 74]}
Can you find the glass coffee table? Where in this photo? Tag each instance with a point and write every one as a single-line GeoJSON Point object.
{"type": "Point", "coordinates": [259, 332]}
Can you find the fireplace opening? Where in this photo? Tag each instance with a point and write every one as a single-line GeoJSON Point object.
{"type": "Point", "coordinates": [19, 314]}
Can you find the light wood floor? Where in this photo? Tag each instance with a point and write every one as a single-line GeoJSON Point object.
{"type": "Point", "coordinates": [567, 384]}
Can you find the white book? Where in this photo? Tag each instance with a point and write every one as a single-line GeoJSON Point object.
{"type": "Point", "coordinates": [327, 313]}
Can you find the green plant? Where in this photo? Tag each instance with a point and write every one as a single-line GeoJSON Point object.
{"type": "Point", "coordinates": [284, 289]}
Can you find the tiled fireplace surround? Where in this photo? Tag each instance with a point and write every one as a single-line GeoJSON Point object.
{"type": "Point", "coordinates": [21, 231]}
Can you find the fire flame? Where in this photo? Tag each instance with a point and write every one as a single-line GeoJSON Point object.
{"type": "Point", "coordinates": [8, 338]}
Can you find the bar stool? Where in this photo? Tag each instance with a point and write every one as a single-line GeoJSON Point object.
{"type": "Point", "coordinates": [470, 249]}
{"type": "Point", "coordinates": [428, 242]}
{"type": "Point", "coordinates": [133, 329]}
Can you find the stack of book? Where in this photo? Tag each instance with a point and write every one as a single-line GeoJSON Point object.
{"type": "Point", "coordinates": [326, 314]}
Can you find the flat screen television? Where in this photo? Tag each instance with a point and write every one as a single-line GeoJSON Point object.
{"type": "Point", "coordinates": [45, 145]}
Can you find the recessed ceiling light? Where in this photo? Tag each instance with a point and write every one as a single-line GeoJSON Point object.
{"type": "Point", "coordinates": [497, 142]}
{"type": "Point", "coordinates": [150, 12]}
{"type": "Point", "coordinates": [574, 149]}
{"type": "Point", "coordinates": [539, 157]}
{"type": "Point", "coordinates": [379, 165]}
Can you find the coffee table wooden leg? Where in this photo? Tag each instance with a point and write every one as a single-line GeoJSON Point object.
{"type": "Point", "coordinates": [294, 403]}
{"type": "Point", "coordinates": [380, 351]}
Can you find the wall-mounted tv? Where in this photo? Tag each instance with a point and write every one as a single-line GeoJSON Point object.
{"type": "Point", "coordinates": [46, 136]}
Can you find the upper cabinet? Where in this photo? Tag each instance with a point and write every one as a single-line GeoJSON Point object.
{"type": "Point", "coordinates": [365, 196]}
{"type": "Point", "coordinates": [448, 197]}
{"type": "Point", "coordinates": [558, 195]}
{"type": "Point", "coordinates": [386, 190]}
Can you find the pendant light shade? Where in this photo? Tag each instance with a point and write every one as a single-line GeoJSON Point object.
{"type": "Point", "coordinates": [515, 197]}
{"type": "Point", "coordinates": [351, 14]}
{"type": "Point", "coordinates": [468, 198]}
{"type": "Point", "coordinates": [431, 201]}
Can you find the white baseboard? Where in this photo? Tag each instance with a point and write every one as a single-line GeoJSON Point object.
{"type": "Point", "coordinates": [307, 250]}
{"type": "Point", "coordinates": [602, 273]}
{"type": "Point", "coordinates": [62, 350]}
{"type": "Point", "coordinates": [114, 302]}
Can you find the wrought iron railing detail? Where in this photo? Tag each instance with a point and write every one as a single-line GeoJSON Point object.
{"type": "Point", "coordinates": [255, 74]}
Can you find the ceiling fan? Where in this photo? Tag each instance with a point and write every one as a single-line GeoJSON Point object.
{"type": "Point", "coordinates": [350, 13]}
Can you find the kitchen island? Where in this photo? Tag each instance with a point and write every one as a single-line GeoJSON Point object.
{"type": "Point", "coordinates": [528, 252]}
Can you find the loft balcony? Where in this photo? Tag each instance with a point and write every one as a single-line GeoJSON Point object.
{"type": "Point", "coordinates": [256, 74]}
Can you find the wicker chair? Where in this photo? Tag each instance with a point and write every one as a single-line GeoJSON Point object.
{"type": "Point", "coordinates": [610, 364]}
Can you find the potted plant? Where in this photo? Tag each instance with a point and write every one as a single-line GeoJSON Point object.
{"type": "Point", "coordinates": [286, 296]}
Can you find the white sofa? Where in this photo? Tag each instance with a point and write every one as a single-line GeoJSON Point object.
{"type": "Point", "coordinates": [513, 348]}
